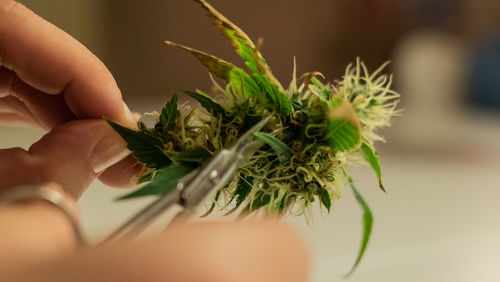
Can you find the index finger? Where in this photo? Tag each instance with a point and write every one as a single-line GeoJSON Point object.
{"type": "Point", "coordinates": [53, 62]}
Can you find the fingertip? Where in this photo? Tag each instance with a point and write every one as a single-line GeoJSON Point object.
{"type": "Point", "coordinates": [123, 174]}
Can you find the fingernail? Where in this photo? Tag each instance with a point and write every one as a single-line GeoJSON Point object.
{"type": "Point", "coordinates": [130, 118]}
{"type": "Point", "coordinates": [107, 152]}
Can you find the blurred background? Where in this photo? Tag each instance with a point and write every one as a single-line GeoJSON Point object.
{"type": "Point", "coordinates": [440, 218]}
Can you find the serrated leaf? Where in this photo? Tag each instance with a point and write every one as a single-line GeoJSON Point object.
{"type": "Point", "coordinates": [367, 226]}
{"type": "Point", "coordinates": [343, 126]}
{"type": "Point", "coordinates": [206, 102]}
{"type": "Point", "coordinates": [215, 65]}
{"type": "Point", "coordinates": [164, 181]}
{"type": "Point", "coordinates": [324, 196]}
{"type": "Point", "coordinates": [241, 41]}
{"type": "Point", "coordinates": [281, 149]}
{"type": "Point", "coordinates": [146, 148]}
{"type": "Point", "coordinates": [342, 135]}
{"type": "Point", "coordinates": [241, 193]}
{"type": "Point", "coordinates": [197, 155]}
{"type": "Point", "coordinates": [169, 114]}
{"type": "Point", "coordinates": [372, 158]}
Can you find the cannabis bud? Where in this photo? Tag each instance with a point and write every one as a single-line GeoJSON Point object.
{"type": "Point", "coordinates": [316, 129]}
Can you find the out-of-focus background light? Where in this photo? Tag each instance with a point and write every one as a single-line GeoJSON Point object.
{"type": "Point", "coordinates": [440, 218]}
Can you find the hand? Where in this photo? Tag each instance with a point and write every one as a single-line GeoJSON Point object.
{"type": "Point", "coordinates": [49, 79]}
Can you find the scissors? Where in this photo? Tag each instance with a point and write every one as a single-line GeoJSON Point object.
{"type": "Point", "coordinates": [193, 188]}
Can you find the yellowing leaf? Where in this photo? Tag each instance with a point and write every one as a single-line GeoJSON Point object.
{"type": "Point", "coordinates": [232, 31]}
{"type": "Point", "coordinates": [216, 66]}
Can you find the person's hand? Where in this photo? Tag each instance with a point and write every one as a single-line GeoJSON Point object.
{"type": "Point", "coordinates": [49, 79]}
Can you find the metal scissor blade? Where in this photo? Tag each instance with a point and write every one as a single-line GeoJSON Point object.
{"type": "Point", "coordinates": [218, 171]}
{"type": "Point", "coordinates": [240, 146]}
{"type": "Point", "coordinates": [135, 225]}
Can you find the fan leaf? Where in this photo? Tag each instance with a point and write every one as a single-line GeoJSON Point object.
{"type": "Point", "coordinates": [206, 102]}
{"type": "Point", "coordinates": [146, 148]}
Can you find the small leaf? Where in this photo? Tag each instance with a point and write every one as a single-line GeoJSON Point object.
{"type": "Point", "coordinates": [206, 102]}
{"type": "Point", "coordinates": [241, 193]}
{"type": "Point", "coordinates": [146, 148]}
{"type": "Point", "coordinates": [279, 99]}
{"type": "Point", "coordinates": [372, 158]}
{"type": "Point", "coordinates": [197, 155]}
{"type": "Point", "coordinates": [215, 65]}
{"type": "Point", "coordinates": [367, 226]}
{"type": "Point", "coordinates": [164, 181]}
{"type": "Point", "coordinates": [169, 114]}
{"type": "Point", "coordinates": [325, 198]}
{"type": "Point", "coordinates": [281, 149]}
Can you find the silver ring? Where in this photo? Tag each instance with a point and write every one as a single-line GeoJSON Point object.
{"type": "Point", "coordinates": [49, 195]}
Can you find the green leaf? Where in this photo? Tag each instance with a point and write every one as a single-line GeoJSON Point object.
{"type": "Point", "coordinates": [241, 193]}
{"type": "Point", "coordinates": [243, 82]}
{"type": "Point", "coordinates": [146, 148]}
{"type": "Point", "coordinates": [281, 149]}
{"type": "Point", "coordinates": [342, 134]}
{"type": "Point", "coordinates": [146, 178]}
{"type": "Point", "coordinates": [197, 155]}
{"type": "Point", "coordinates": [367, 226]}
{"type": "Point", "coordinates": [343, 126]}
{"type": "Point", "coordinates": [324, 196]}
{"type": "Point", "coordinates": [259, 201]}
{"type": "Point", "coordinates": [372, 158]}
{"type": "Point", "coordinates": [279, 99]}
{"type": "Point", "coordinates": [169, 114]}
{"type": "Point", "coordinates": [206, 102]}
{"type": "Point", "coordinates": [164, 181]}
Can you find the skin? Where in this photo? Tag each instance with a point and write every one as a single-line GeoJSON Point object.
{"type": "Point", "coordinates": [68, 99]}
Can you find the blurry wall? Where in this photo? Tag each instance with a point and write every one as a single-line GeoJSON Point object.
{"type": "Point", "coordinates": [324, 35]}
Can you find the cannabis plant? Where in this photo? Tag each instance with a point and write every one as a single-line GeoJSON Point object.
{"type": "Point", "coordinates": [316, 129]}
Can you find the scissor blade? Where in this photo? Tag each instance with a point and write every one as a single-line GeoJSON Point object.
{"type": "Point", "coordinates": [247, 138]}
{"type": "Point", "coordinates": [221, 168]}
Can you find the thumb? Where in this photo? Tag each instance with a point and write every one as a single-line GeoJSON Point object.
{"type": "Point", "coordinates": [72, 154]}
